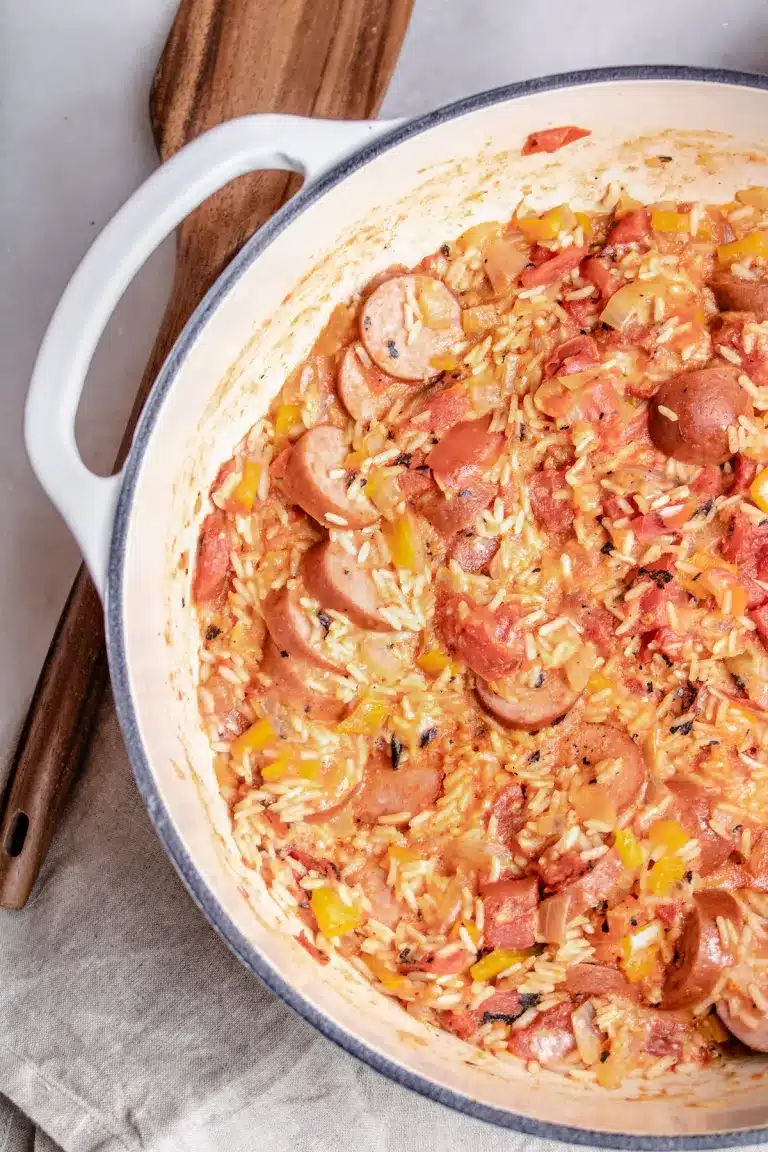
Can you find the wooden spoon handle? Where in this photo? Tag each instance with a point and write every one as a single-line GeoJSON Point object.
{"type": "Point", "coordinates": [223, 58]}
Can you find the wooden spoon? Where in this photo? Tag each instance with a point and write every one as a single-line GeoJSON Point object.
{"type": "Point", "coordinates": [223, 58]}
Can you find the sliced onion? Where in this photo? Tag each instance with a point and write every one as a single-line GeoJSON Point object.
{"type": "Point", "coordinates": [587, 1036]}
{"type": "Point", "coordinates": [554, 914]}
{"type": "Point", "coordinates": [634, 300]}
{"type": "Point", "coordinates": [503, 264]}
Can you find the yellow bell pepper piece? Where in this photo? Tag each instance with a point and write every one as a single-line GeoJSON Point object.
{"type": "Point", "coordinates": [498, 961]}
{"type": "Point", "coordinates": [255, 739]}
{"type": "Point", "coordinates": [611, 1072]}
{"type": "Point", "coordinates": [712, 1030]}
{"type": "Point", "coordinates": [472, 931]}
{"type": "Point", "coordinates": [668, 834]}
{"type": "Point", "coordinates": [479, 235]}
{"type": "Point", "coordinates": [548, 226]}
{"type": "Point", "coordinates": [403, 855]}
{"type": "Point", "coordinates": [246, 491]}
{"type": "Point", "coordinates": [405, 543]}
{"type": "Point", "coordinates": [664, 875]}
{"type": "Point", "coordinates": [385, 975]}
{"type": "Point", "coordinates": [598, 682]}
{"type": "Point", "coordinates": [333, 916]}
{"type": "Point", "coordinates": [662, 221]}
{"type": "Point", "coordinates": [383, 490]}
{"type": "Point", "coordinates": [288, 422]}
{"type": "Point", "coordinates": [629, 849]}
{"type": "Point", "coordinates": [585, 223]}
{"type": "Point", "coordinates": [433, 662]}
{"type": "Point", "coordinates": [754, 244]}
{"type": "Point", "coordinates": [366, 719]}
{"type": "Point", "coordinates": [287, 765]}
{"type": "Point", "coordinates": [639, 965]}
{"type": "Point", "coordinates": [759, 490]}
{"type": "Point", "coordinates": [444, 362]}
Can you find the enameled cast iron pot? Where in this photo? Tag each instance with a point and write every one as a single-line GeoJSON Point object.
{"type": "Point", "coordinates": [375, 194]}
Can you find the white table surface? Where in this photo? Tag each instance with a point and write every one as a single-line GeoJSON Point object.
{"type": "Point", "coordinates": [75, 141]}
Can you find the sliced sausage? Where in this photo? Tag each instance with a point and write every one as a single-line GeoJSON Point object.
{"type": "Point", "coordinates": [606, 879]}
{"type": "Point", "coordinates": [575, 355]}
{"type": "Point", "coordinates": [213, 563]}
{"type": "Point", "coordinates": [551, 503]}
{"type": "Point", "coordinates": [589, 744]}
{"type": "Point", "coordinates": [308, 482]}
{"type": "Point", "coordinates": [482, 639]}
{"type": "Point", "coordinates": [510, 912]}
{"type": "Point", "coordinates": [449, 513]}
{"type": "Point", "coordinates": [385, 907]}
{"type": "Point", "coordinates": [747, 1022]}
{"type": "Point", "coordinates": [631, 229]}
{"type": "Point", "coordinates": [471, 552]}
{"type": "Point", "coordinates": [385, 330]}
{"type": "Point", "coordinates": [707, 402]}
{"type": "Point", "coordinates": [509, 811]}
{"type": "Point", "coordinates": [700, 953]}
{"type": "Point", "coordinates": [598, 980]}
{"type": "Point", "coordinates": [291, 681]}
{"type": "Point", "coordinates": [387, 792]}
{"type": "Point", "coordinates": [291, 629]}
{"type": "Point", "coordinates": [528, 709]}
{"type": "Point", "coordinates": [469, 445]}
{"type": "Point", "coordinates": [366, 392]}
{"type": "Point", "coordinates": [692, 807]}
{"type": "Point", "coordinates": [736, 295]}
{"type": "Point", "coordinates": [334, 578]}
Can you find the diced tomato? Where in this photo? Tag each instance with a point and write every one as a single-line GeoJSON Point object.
{"type": "Point", "coordinates": [665, 590]}
{"type": "Point", "coordinates": [551, 139]}
{"type": "Point", "coordinates": [728, 331]}
{"type": "Point", "coordinates": [582, 312]}
{"type": "Point", "coordinates": [481, 638]}
{"type": "Point", "coordinates": [555, 873]}
{"type": "Point", "coordinates": [631, 229]}
{"type": "Point", "coordinates": [597, 403]}
{"type": "Point", "coordinates": [744, 545]}
{"type": "Point", "coordinates": [744, 473]}
{"type": "Point", "coordinates": [598, 623]}
{"type": "Point", "coordinates": [539, 255]}
{"type": "Point", "coordinates": [549, 1037]}
{"type": "Point", "coordinates": [500, 1006]}
{"type": "Point", "coordinates": [709, 482]}
{"type": "Point", "coordinates": [596, 271]}
{"type": "Point", "coordinates": [550, 498]}
{"type": "Point", "coordinates": [510, 912]}
{"type": "Point", "coordinates": [449, 965]}
{"type": "Point", "coordinates": [212, 566]}
{"type": "Point", "coordinates": [439, 413]}
{"type": "Point", "coordinates": [278, 826]}
{"type": "Point", "coordinates": [575, 355]}
{"type": "Point", "coordinates": [649, 526]}
{"type": "Point", "coordinates": [509, 811]}
{"type": "Point", "coordinates": [670, 914]}
{"type": "Point", "coordinates": [668, 642]}
{"type": "Point", "coordinates": [457, 511]}
{"type": "Point", "coordinates": [731, 876]}
{"type": "Point", "coordinates": [554, 269]}
{"type": "Point", "coordinates": [463, 1024]}
{"type": "Point", "coordinates": [469, 445]}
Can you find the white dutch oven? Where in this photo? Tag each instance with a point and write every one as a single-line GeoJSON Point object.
{"type": "Point", "coordinates": [376, 194]}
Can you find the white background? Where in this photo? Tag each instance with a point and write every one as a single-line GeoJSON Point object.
{"type": "Point", "coordinates": [75, 141]}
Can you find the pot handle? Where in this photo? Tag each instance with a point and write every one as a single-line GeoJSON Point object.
{"type": "Point", "coordinates": [86, 501]}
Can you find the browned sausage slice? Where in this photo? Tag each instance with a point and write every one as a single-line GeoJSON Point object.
{"type": "Point", "coordinates": [308, 481]}
{"type": "Point", "coordinates": [706, 403]}
{"type": "Point", "coordinates": [335, 579]}
{"type": "Point", "coordinates": [589, 744]}
{"type": "Point", "coordinates": [747, 1022]}
{"type": "Point", "coordinates": [607, 878]}
{"type": "Point", "coordinates": [291, 681]}
{"type": "Point", "coordinates": [408, 321]}
{"type": "Point", "coordinates": [213, 564]}
{"type": "Point", "coordinates": [366, 392]}
{"type": "Point", "coordinates": [701, 955]}
{"type": "Point", "coordinates": [528, 709]}
{"type": "Point", "coordinates": [449, 513]}
{"type": "Point", "coordinates": [692, 806]}
{"type": "Point", "coordinates": [510, 912]}
{"type": "Point", "coordinates": [386, 792]}
{"type": "Point", "coordinates": [598, 980]}
{"type": "Point", "coordinates": [736, 295]}
{"type": "Point", "coordinates": [291, 628]}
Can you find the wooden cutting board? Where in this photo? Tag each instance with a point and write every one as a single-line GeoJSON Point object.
{"type": "Point", "coordinates": [223, 58]}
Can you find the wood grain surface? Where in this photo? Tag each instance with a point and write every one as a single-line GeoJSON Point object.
{"type": "Point", "coordinates": [223, 58]}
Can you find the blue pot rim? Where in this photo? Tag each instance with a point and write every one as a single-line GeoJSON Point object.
{"type": "Point", "coordinates": [139, 758]}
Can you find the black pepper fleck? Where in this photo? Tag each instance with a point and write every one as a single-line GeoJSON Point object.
{"type": "Point", "coordinates": [534, 757]}
{"type": "Point", "coordinates": [445, 249]}
{"type": "Point", "coordinates": [395, 751]}
{"type": "Point", "coordinates": [325, 620]}
{"type": "Point", "coordinates": [392, 349]}
{"type": "Point", "coordinates": [683, 729]}
{"type": "Point", "coordinates": [404, 460]}
{"type": "Point", "coordinates": [427, 737]}
{"type": "Point", "coordinates": [284, 654]}
{"type": "Point", "coordinates": [607, 548]}
{"type": "Point", "coordinates": [212, 632]}
{"type": "Point", "coordinates": [366, 323]}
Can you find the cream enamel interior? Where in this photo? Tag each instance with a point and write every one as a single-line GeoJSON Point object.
{"type": "Point", "coordinates": [395, 209]}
